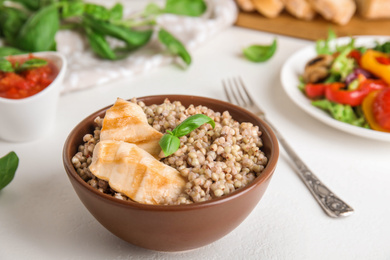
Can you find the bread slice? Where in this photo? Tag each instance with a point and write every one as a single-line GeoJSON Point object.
{"type": "Point", "coordinates": [269, 8]}
{"type": "Point", "coordinates": [373, 9]}
{"type": "Point", "coordinates": [301, 9]}
{"type": "Point", "coordinates": [337, 11]}
{"type": "Point", "coordinates": [246, 5]}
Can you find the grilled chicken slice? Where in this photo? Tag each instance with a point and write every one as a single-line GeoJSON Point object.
{"type": "Point", "coordinates": [135, 173]}
{"type": "Point", "coordinates": [126, 121]}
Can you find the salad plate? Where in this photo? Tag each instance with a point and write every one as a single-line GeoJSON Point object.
{"type": "Point", "coordinates": [293, 68]}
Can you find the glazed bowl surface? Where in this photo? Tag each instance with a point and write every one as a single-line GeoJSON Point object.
{"type": "Point", "coordinates": [174, 227]}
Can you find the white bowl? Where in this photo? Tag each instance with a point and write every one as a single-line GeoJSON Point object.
{"type": "Point", "coordinates": [30, 118]}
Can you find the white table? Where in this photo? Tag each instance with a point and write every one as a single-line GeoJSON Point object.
{"type": "Point", "coordinates": [41, 216]}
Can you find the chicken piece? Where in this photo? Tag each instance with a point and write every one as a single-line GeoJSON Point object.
{"type": "Point", "coordinates": [317, 68]}
{"type": "Point", "coordinates": [337, 11]}
{"type": "Point", "coordinates": [269, 8]}
{"type": "Point", "coordinates": [135, 173]}
{"type": "Point", "coordinates": [300, 8]}
{"type": "Point", "coordinates": [126, 121]}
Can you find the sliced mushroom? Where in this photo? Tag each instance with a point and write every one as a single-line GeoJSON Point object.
{"type": "Point", "coordinates": [317, 68]}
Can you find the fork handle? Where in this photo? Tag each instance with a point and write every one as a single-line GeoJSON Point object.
{"type": "Point", "coordinates": [330, 203]}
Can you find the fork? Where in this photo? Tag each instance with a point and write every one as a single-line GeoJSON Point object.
{"type": "Point", "coordinates": [333, 206]}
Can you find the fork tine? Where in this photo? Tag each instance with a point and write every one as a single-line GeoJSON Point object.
{"type": "Point", "coordinates": [225, 88]}
{"type": "Point", "coordinates": [231, 85]}
{"type": "Point", "coordinates": [229, 88]}
{"type": "Point", "coordinates": [238, 87]}
{"type": "Point", "coordinates": [245, 90]}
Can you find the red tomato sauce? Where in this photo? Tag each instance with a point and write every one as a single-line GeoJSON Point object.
{"type": "Point", "coordinates": [26, 83]}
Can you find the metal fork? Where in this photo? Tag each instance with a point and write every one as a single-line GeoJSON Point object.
{"type": "Point", "coordinates": [333, 206]}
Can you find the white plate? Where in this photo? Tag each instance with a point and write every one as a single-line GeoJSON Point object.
{"type": "Point", "coordinates": [294, 67]}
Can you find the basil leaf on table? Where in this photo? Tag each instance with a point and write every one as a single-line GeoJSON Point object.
{"type": "Point", "coordinates": [8, 165]}
{"type": "Point", "coordinates": [174, 45]}
{"type": "Point", "coordinates": [6, 51]}
{"type": "Point", "coordinates": [38, 33]}
{"type": "Point", "coordinates": [170, 141]}
{"type": "Point", "coordinates": [260, 53]}
{"type": "Point", "coordinates": [6, 65]}
{"type": "Point", "coordinates": [185, 7]}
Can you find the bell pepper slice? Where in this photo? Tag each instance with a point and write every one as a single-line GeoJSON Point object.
{"type": "Point", "coordinates": [372, 61]}
{"type": "Point", "coordinates": [381, 108]}
{"type": "Point", "coordinates": [367, 107]}
{"type": "Point", "coordinates": [336, 92]}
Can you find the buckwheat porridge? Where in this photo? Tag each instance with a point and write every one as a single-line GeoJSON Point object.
{"type": "Point", "coordinates": [213, 162]}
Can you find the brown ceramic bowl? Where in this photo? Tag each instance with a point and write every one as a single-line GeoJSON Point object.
{"type": "Point", "coordinates": [178, 227]}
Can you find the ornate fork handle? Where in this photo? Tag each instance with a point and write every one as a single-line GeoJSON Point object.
{"type": "Point", "coordinates": [330, 203]}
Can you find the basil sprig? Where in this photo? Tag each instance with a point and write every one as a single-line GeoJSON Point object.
{"type": "Point", "coordinates": [33, 27]}
{"type": "Point", "coordinates": [8, 165]}
{"type": "Point", "coordinates": [6, 65]}
{"type": "Point", "coordinates": [174, 45]}
{"type": "Point", "coordinates": [260, 53]}
{"type": "Point", "coordinates": [185, 7]}
{"type": "Point", "coordinates": [170, 142]}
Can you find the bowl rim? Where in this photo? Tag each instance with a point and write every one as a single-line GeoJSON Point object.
{"type": "Point", "coordinates": [56, 81]}
{"type": "Point", "coordinates": [264, 176]}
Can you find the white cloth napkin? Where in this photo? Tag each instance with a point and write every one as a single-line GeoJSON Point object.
{"type": "Point", "coordinates": [85, 70]}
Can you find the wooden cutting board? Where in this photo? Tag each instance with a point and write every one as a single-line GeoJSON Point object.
{"type": "Point", "coordinates": [285, 24]}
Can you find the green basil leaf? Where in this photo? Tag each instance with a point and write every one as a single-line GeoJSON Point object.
{"type": "Point", "coordinates": [11, 21]}
{"type": "Point", "coordinates": [131, 37]}
{"type": "Point", "coordinates": [191, 123]}
{"type": "Point", "coordinates": [97, 11]}
{"type": "Point", "coordinates": [152, 9]}
{"type": "Point", "coordinates": [99, 44]}
{"type": "Point", "coordinates": [174, 45]}
{"type": "Point", "coordinates": [38, 33]}
{"type": "Point", "coordinates": [32, 64]}
{"type": "Point", "coordinates": [6, 51]}
{"type": "Point", "coordinates": [169, 144]}
{"type": "Point", "coordinates": [31, 5]}
{"type": "Point", "coordinates": [185, 7]}
{"type": "Point", "coordinates": [116, 12]}
{"type": "Point", "coordinates": [72, 9]}
{"type": "Point", "coordinates": [6, 65]}
{"type": "Point", "coordinates": [260, 53]}
{"type": "Point", "coordinates": [8, 165]}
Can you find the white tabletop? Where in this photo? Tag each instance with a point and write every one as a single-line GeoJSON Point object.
{"type": "Point", "coordinates": [41, 216]}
